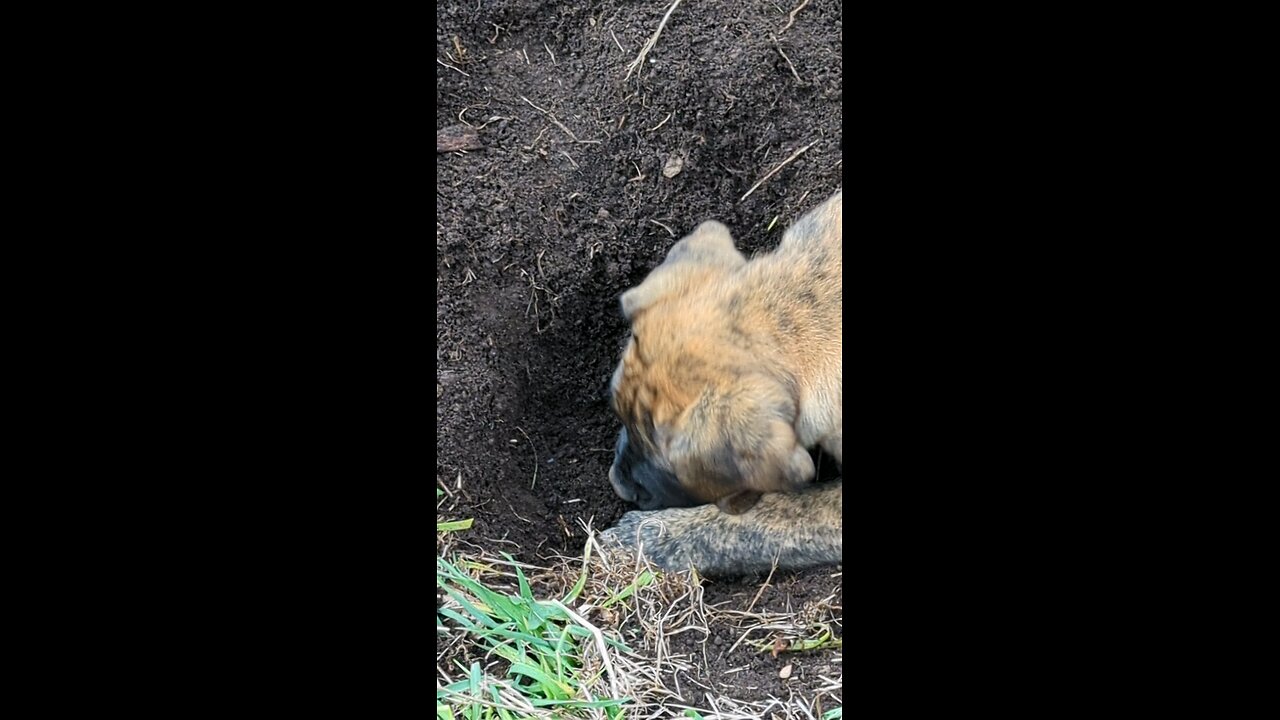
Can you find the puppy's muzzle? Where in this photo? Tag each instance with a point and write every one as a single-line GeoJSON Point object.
{"type": "Point", "coordinates": [637, 479]}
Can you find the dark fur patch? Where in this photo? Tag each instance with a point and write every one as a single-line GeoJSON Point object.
{"type": "Point", "coordinates": [786, 321]}
{"type": "Point", "coordinates": [738, 503]}
{"type": "Point", "coordinates": [820, 266]}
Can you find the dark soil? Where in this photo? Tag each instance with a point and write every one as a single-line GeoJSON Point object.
{"type": "Point", "coordinates": [541, 223]}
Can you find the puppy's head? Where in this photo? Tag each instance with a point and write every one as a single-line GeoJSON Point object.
{"type": "Point", "coordinates": [703, 422]}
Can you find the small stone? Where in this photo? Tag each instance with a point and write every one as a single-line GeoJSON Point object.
{"type": "Point", "coordinates": [785, 672]}
{"type": "Point", "coordinates": [674, 165]}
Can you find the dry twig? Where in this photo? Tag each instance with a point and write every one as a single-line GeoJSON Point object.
{"type": "Point", "coordinates": [664, 122]}
{"type": "Point", "coordinates": [774, 171]}
{"type": "Point", "coordinates": [559, 124]}
{"type": "Point", "coordinates": [644, 51]}
{"type": "Point", "coordinates": [600, 646]}
{"type": "Point", "coordinates": [457, 137]}
{"type": "Point", "coordinates": [784, 57]}
{"type": "Point", "coordinates": [664, 227]}
{"type": "Point", "coordinates": [441, 62]}
{"type": "Point", "coordinates": [792, 18]}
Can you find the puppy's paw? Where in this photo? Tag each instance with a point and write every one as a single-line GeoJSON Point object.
{"type": "Point", "coordinates": [662, 536]}
{"type": "Point", "coordinates": [793, 530]}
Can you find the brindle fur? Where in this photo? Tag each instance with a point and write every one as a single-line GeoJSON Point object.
{"type": "Point", "coordinates": [732, 371]}
{"type": "Point", "coordinates": [797, 530]}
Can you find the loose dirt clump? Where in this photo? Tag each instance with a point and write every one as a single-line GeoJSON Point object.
{"type": "Point", "coordinates": [565, 171]}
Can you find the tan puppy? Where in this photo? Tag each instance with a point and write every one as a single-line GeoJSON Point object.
{"type": "Point", "coordinates": [732, 372]}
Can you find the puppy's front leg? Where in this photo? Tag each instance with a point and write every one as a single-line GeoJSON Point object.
{"type": "Point", "coordinates": [798, 529]}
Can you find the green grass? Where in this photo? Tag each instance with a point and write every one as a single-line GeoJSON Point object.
{"type": "Point", "coordinates": [453, 525]}
{"type": "Point", "coordinates": [538, 640]}
{"type": "Point", "coordinates": [821, 638]}
{"type": "Point", "coordinates": [509, 655]}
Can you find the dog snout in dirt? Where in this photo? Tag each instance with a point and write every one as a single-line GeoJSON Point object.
{"type": "Point", "coordinates": [636, 478]}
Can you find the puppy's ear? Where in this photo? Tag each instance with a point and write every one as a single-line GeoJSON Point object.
{"type": "Point", "coordinates": [735, 473]}
{"type": "Point", "coordinates": [776, 461]}
{"type": "Point", "coordinates": [708, 249]}
{"type": "Point", "coordinates": [739, 441]}
{"type": "Point", "coordinates": [798, 470]}
{"type": "Point", "coordinates": [756, 420]}
{"type": "Point", "coordinates": [710, 243]}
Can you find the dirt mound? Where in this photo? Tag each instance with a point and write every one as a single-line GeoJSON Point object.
{"type": "Point", "coordinates": [560, 183]}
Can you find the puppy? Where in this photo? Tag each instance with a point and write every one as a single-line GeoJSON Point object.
{"type": "Point", "coordinates": [732, 371]}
